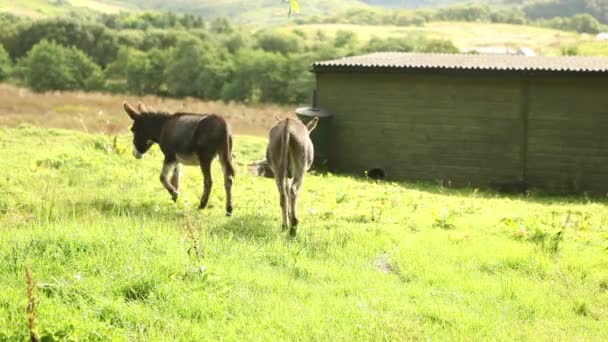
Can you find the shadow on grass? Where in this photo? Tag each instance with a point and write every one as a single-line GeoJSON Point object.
{"type": "Point", "coordinates": [108, 207]}
{"type": "Point", "coordinates": [515, 193]}
{"type": "Point", "coordinates": [249, 227]}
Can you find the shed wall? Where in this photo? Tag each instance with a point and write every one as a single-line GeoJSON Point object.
{"type": "Point", "coordinates": [463, 129]}
{"type": "Point", "coordinates": [568, 134]}
{"type": "Point", "coordinates": [486, 130]}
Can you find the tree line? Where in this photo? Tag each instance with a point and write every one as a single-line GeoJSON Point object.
{"type": "Point", "coordinates": [177, 55]}
{"type": "Point", "coordinates": [584, 16]}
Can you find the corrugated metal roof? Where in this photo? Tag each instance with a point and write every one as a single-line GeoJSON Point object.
{"type": "Point", "coordinates": [400, 60]}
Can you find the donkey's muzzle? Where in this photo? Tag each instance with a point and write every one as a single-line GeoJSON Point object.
{"type": "Point", "coordinates": [137, 154]}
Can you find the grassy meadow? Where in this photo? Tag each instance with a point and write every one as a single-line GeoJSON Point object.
{"type": "Point", "coordinates": [46, 8]}
{"type": "Point", "coordinates": [114, 259]}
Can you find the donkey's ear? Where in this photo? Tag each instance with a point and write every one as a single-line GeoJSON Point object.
{"type": "Point", "coordinates": [312, 124]}
{"type": "Point", "coordinates": [142, 107]}
{"type": "Point", "coordinates": [130, 110]}
{"type": "Point", "coordinates": [277, 118]}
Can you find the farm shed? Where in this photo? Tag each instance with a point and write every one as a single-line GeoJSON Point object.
{"type": "Point", "coordinates": [501, 121]}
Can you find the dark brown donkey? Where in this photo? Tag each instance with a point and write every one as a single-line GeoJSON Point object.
{"type": "Point", "coordinates": [184, 138]}
{"type": "Point", "coordinates": [290, 154]}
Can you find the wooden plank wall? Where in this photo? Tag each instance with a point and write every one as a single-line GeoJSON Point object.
{"type": "Point", "coordinates": [568, 134]}
{"type": "Point", "coordinates": [420, 127]}
{"type": "Point", "coordinates": [470, 129]}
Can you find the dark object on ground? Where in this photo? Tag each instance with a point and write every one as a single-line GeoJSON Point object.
{"type": "Point", "coordinates": [261, 168]}
{"type": "Point", "coordinates": [376, 173]}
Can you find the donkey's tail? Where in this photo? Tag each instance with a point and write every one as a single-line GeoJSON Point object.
{"type": "Point", "coordinates": [284, 164]}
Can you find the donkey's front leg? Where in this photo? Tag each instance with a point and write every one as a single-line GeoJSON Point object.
{"type": "Point", "coordinates": [168, 167]}
{"type": "Point", "coordinates": [177, 172]}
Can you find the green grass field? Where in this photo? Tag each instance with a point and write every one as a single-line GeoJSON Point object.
{"type": "Point", "coordinates": [115, 259]}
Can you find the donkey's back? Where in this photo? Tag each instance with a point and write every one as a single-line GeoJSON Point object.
{"type": "Point", "coordinates": [186, 133]}
{"type": "Point", "coordinates": [289, 146]}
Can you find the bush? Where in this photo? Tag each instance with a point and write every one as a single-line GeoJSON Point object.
{"type": "Point", "coordinates": [345, 39]}
{"type": "Point", "coordinates": [389, 45]}
{"type": "Point", "coordinates": [583, 23]}
{"type": "Point", "coordinates": [6, 66]}
{"type": "Point", "coordinates": [276, 42]}
{"type": "Point", "coordinates": [437, 46]}
{"type": "Point", "coordinates": [50, 66]}
{"type": "Point", "coordinates": [95, 40]}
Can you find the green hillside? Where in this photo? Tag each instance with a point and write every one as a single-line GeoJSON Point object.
{"type": "Point", "coordinates": [45, 8]}
{"type": "Point", "coordinates": [465, 35]}
{"type": "Point", "coordinates": [263, 11]}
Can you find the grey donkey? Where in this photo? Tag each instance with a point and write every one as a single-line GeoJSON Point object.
{"type": "Point", "coordinates": [290, 154]}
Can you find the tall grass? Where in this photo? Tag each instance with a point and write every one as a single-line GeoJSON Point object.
{"type": "Point", "coordinates": [97, 112]}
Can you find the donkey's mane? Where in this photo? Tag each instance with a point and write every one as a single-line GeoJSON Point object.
{"type": "Point", "coordinates": [155, 115]}
{"type": "Point", "coordinates": [163, 115]}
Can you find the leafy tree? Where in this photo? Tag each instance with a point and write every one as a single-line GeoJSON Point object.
{"type": "Point", "coordinates": [276, 42]}
{"type": "Point", "coordinates": [50, 66]}
{"type": "Point", "coordinates": [567, 8]}
{"type": "Point", "coordinates": [184, 68]}
{"type": "Point", "coordinates": [389, 44]}
{"type": "Point", "coordinates": [437, 46]}
{"type": "Point", "coordinates": [94, 39]}
{"type": "Point", "coordinates": [260, 76]}
{"type": "Point", "coordinates": [585, 23]}
{"type": "Point", "coordinates": [234, 42]}
{"type": "Point", "coordinates": [221, 25]}
{"type": "Point", "coordinates": [345, 39]}
{"type": "Point", "coordinates": [6, 64]}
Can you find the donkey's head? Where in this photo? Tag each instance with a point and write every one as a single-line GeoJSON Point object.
{"type": "Point", "coordinates": [142, 133]}
{"type": "Point", "coordinates": [311, 125]}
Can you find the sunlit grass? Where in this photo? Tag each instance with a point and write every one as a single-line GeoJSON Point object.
{"type": "Point", "coordinates": [114, 258]}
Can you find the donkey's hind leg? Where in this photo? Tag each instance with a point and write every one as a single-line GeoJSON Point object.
{"type": "Point", "coordinates": [282, 185]}
{"type": "Point", "coordinates": [228, 170]}
{"type": "Point", "coordinates": [205, 160]}
{"type": "Point", "coordinates": [293, 200]}
{"type": "Point", "coordinates": [168, 168]}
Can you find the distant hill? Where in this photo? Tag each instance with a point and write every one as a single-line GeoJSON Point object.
{"type": "Point", "coordinates": [411, 3]}
{"type": "Point", "coordinates": [273, 12]}
{"type": "Point", "coordinates": [244, 11]}
{"type": "Point", "coordinates": [46, 8]}
{"type": "Point", "coordinates": [247, 10]}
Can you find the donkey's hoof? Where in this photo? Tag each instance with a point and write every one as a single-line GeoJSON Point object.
{"type": "Point", "coordinates": [174, 196]}
{"type": "Point", "coordinates": [293, 231]}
